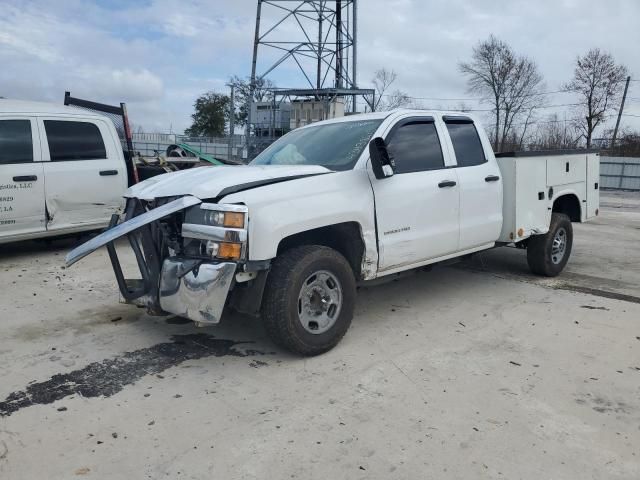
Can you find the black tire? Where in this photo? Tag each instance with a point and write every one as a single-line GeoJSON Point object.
{"type": "Point", "coordinates": [541, 257]}
{"type": "Point", "coordinates": [284, 285]}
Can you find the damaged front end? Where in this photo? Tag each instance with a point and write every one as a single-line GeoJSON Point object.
{"type": "Point", "coordinates": [187, 253]}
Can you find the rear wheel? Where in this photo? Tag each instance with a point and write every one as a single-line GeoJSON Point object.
{"type": "Point", "coordinates": [309, 299]}
{"type": "Point", "coordinates": [548, 254]}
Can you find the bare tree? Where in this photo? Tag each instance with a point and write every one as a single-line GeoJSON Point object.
{"type": "Point", "coordinates": [512, 84]}
{"type": "Point", "coordinates": [553, 134]}
{"type": "Point", "coordinates": [385, 99]}
{"type": "Point", "coordinates": [599, 82]}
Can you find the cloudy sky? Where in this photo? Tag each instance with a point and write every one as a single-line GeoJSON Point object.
{"type": "Point", "coordinates": [159, 55]}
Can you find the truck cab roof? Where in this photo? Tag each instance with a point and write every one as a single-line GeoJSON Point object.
{"type": "Point", "coordinates": [9, 106]}
{"type": "Point", "coordinates": [390, 113]}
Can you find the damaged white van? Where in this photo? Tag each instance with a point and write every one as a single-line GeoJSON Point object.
{"type": "Point", "coordinates": [62, 170]}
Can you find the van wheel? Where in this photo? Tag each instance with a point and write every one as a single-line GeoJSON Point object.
{"type": "Point", "coordinates": [309, 299]}
{"type": "Point", "coordinates": [548, 254]}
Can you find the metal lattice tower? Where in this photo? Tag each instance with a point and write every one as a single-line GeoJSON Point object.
{"type": "Point", "coordinates": [320, 36]}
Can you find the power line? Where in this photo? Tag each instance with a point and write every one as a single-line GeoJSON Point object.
{"type": "Point", "coordinates": [480, 99]}
{"type": "Point", "coordinates": [491, 109]}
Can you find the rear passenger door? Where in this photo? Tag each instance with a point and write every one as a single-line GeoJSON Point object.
{"type": "Point", "coordinates": [416, 208]}
{"type": "Point", "coordinates": [480, 185]}
{"type": "Point", "coordinates": [21, 178]}
{"type": "Point", "coordinates": [85, 178]}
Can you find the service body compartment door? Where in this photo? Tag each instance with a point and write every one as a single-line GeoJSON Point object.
{"type": "Point", "coordinates": [21, 178]}
{"type": "Point", "coordinates": [85, 177]}
{"type": "Point", "coordinates": [593, 184]}
{"type": "Point", "coordinates": [564, 169]}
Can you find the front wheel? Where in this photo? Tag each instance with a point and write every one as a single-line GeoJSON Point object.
{"type": "Point", "coordinates": [548, 254]}
{"type": "Point", "coordinates": [309, 299]}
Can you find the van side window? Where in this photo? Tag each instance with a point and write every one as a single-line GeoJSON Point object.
{"type": "Point", "coordinates": [415, 147]}
{"type": "Point", "coordinates": [16, 145]}
{"type": "Point", "coordinates": [74, 141]}
{"type": "Point", "coordinates": [466, 143]}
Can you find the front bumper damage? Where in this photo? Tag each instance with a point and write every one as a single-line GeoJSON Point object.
{"type": "Point", "coordinates": [171, 282]}
{"type": "Point", "coordinates": [195, 290]}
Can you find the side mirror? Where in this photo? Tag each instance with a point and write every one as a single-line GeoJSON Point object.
{"type": "Point", "coordinates": [381, 162]}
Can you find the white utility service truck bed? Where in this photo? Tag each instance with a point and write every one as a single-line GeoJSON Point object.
{"type": "Point", "coordinates": [532, 180]}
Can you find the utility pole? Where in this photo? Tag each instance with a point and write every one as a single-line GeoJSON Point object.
{"type": "Point", "coordinates": [354, 55]}
{"type": "Point", "coordinates": [624, 97]}
{"type": "Point", "coordinates": [339, 52]}
{"type": "Point", "coordinates": [319, 47]}
{"type": "Point", "coordinates": [252, 81]}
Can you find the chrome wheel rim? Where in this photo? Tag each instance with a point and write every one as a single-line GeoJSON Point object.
{"type": "Point", "coordinates": [319, 302]}
{"type": "Point", "coordinates": [559, 246]}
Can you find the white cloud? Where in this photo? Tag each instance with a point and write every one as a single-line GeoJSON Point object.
{"type": "Point", "coordinates": [134, 85]}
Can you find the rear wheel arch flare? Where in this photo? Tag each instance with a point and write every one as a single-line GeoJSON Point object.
{"type": "Point", "coordinates": [568, 204]}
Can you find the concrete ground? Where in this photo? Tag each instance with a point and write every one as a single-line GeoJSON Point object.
{"type": "Point", "coordinates": [477, 370]}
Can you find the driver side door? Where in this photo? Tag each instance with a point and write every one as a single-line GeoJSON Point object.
{"type": "Point", "coordinates": [417, 208]}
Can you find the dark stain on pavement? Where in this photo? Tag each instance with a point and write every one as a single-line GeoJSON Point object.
{"type": "Point", "coordinates": [592, 307]}
{"type": "Point", "coordinates": [599, 293]}
{"type": "Point", "coordinates": [177, 321]}
{"type": "Point", "coordinates": [108, 377]}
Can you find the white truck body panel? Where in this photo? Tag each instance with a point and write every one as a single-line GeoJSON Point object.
{"type": "Point", "coordinates": [593, 186]}
{"type": "Point", "coordinates": [204, 182]}
{"type": "Point", "coordinates": [527, 181]}
{"type": "Point", "coordinates": [60, 196]}
{"type": "Point", "coordinates": [282, 209]}
{"type": "Point", "coordinates": [77, 192]}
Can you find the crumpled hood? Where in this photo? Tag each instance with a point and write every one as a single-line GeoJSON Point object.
{"type": "Point", "coordinates": [209, 182]}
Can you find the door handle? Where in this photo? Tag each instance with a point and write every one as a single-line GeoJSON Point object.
{"type": "Point", "coordinates": [447, 183]}
{"type": "Point", "coordinates": [25, 178]}
{"type": "Point", "coordinates": [491, 178]}
{"type": "Point", "coordinates": [106, 173]}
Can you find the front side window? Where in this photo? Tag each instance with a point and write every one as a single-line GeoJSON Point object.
{"type": "Point", "coordinates": [415, 147]}
{"type": "Point", "coordinates": [466, 144]}
{"type": "Point", "coordinates": [16, 145]}
{"type": "Point", "coordinates": [74, 141]}
{"type": "Point", "coordinates": [336, 146]}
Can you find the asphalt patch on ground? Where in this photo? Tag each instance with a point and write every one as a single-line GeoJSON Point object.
{"type": "Point", "coordinates": [598, 293]}
{"type": "Point", "coordinates": [108, 377]}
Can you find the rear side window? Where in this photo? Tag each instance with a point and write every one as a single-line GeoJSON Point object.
{"type": "Point", "coordinates": [415, 147]}
{"type": "Point", "coordinates": [74, 141]}
{"type": "Point", "coordinates": [466, 144]}
{"type": "Point", "coordinates": [16, 145]}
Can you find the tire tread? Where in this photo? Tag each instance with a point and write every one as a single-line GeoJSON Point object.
{"type": "Point", "coordinates": [540, 245]}
{"type": "Point", "coordinates": [284, 271]}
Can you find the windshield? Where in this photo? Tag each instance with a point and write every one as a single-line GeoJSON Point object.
{"type": "Point", "coordinates": [336, 146]}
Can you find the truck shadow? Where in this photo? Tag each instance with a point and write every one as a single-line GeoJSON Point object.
{"type": "Point", "coordinates": [57, 245]}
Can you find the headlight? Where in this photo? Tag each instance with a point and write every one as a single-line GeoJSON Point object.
{"type": "Point", "coordinates": [222, 229]}
{"type": "Point", "coordinates": [229, 216]}
{"type": "Point", "coordinates": [224, 250]}
{"type": "Point", "coordinates": [224, 219]}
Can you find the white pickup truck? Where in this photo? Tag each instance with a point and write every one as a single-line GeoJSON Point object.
{"type": "Point", "coordinates": [62, 170]}
{"type": "Point", "coordinates": [336, 203]}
